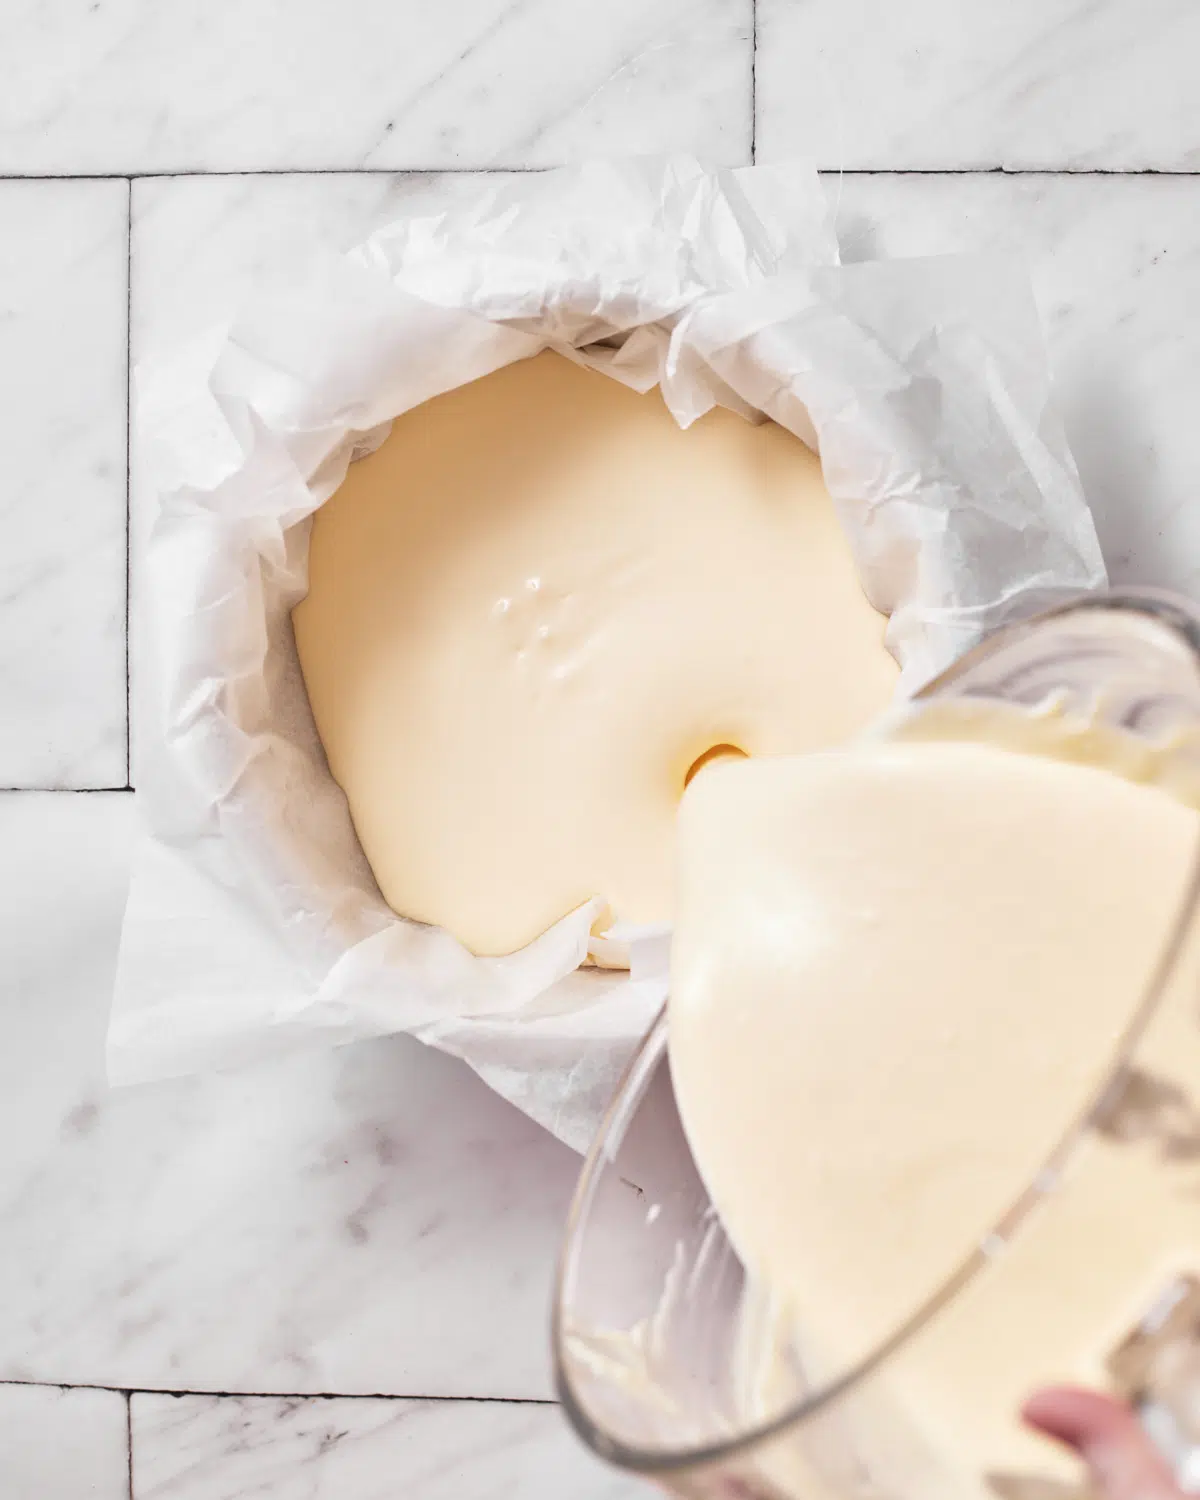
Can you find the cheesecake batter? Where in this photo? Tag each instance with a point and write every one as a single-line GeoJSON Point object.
{"type": "Point", "coordinates": [536, 608]}
{"type": "Point", "coordinates": [898, 977]}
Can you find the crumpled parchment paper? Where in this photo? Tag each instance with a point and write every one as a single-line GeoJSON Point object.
{"type": "Point", "coordinates": [254, 925]}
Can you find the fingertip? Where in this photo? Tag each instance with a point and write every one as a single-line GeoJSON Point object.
{"type": "Point", "coordinates": [1076, 1416]}
{"type": "Point", "coordinates": [1122, 1461]}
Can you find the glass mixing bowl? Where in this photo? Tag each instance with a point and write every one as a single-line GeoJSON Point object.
{"type": "Point", "coordinates": [671, 1365]}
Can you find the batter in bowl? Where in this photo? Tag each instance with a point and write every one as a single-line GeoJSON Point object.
{"type": "Point", "coordinates": [900, 975]}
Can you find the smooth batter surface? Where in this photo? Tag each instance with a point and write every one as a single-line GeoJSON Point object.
{"type": "Point", "coordinates": [535, 607]}
{"type": "Point", "coordinates": [898, 976]}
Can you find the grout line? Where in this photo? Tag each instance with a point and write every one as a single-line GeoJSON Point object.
{"type": "Point", "coordinates": [64, 791]}
{"type": "Point", "coordinates": [753, 81]}
{"type": "Point", "coordinates": [130, 1391]}
{"type": "Point", "coordinates": [114, 176]}
{"type": "Point", "coordinates": [496, 169]}
{"type": "Point", "coordinates": [1007, 172]}
{"type": "Point", "coordinates": [129, 1439]}
{"type": "Point", "coordinates": [128, 424]}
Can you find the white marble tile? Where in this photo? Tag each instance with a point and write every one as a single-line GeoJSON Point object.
{"type": "Point", "coordinates": [62, 483]}
{"type": "Point", "coordinates": [1116, 269]}
{"type": "Point", "coordinates": [370, 1220]}
{"type": "Point", "coordinates": [938, 83]}
{"type": "Point", "coordinates": [228, 1448]}
{"type": "Point", "coordinates": [128, 86]}
{"type": "Point", "coordinates": [63, 1445]}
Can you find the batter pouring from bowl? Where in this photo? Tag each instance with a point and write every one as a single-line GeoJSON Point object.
{"type": "Point", "coordinates": [900, 974]}
{"type": "Point", "coordinates": [934, 1043]}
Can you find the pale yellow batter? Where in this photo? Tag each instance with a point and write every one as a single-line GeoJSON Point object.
{"type": "Point", "coordinates": [535, 607]}
{"type": "Point", "coordinates": [898, 976]}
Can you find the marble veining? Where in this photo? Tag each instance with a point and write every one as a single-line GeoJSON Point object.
{"type": "Point", "coordinates": [368, 1220]}
{"type": "Point", "coordinates": [228, 1448]}
{"type": "Point", "coordinates": [1028, 84]}
{"type": "Point", "coordinates": [121, 86]}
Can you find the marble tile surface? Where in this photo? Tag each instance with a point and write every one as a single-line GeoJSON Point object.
{"type": "Point", "coordinates": [128, 86]}
{"type": "Point", "coordinates": [1115, 263]}
{"type": "Point", "coordinates": [1056, 84]}
{"type": "Point", "coordinates": [62, 1444]}
{"type": "Point", "coordinates": [370, 1220]}
{"type": "Point", "coordinates": [227, 1448]}
{"type": "Point", "coordinates": [63, 263]}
